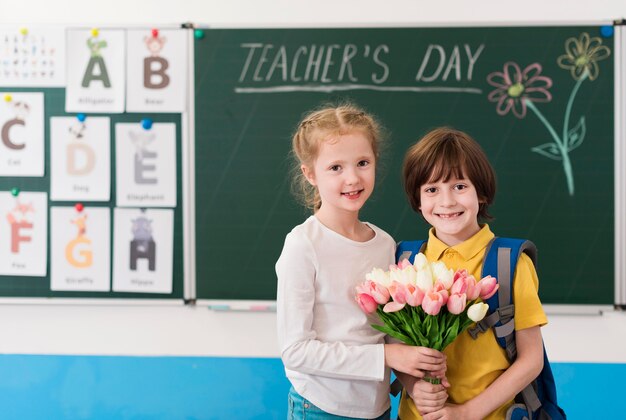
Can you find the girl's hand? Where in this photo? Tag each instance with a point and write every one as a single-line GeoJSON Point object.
{"type": "Point", "coordinates": [414, 360]}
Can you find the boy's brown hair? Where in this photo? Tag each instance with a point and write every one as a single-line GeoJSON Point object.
{"type": "Point", "coordinates": [443, 153]}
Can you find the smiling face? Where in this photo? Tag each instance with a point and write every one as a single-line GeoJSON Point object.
{"type": "Point", "coordinates": [451, 207]}
{"type": "Point", "coordinates": [344, 174]}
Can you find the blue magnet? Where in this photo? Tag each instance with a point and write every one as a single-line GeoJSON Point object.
{"type": "Point", "coordinates": [81, 117]}
{"type": "Point", "coordinates": [146, 123]}
{"type": "Point", "coordinates": [607, 31]}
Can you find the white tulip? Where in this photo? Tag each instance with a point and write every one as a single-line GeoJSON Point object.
{"type": "Point", "coordinates": [477, 311]}
{"type": "Point", "coordinates": [420, 261]}
{"type": "Point", "coordinates": [379, 276]}
{"type": "Point", "coordinates": [404, 276]}
{"type": "Point", "coordinates": [424, 279]}
{"type": "Point", "coordinates": [442, 273]}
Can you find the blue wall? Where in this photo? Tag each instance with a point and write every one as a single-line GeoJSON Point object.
{"type": "Point", "coordinates": [106, 387]}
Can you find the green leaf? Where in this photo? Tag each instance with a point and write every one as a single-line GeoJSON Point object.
{"type": "Point", "coordinates": [576, 135]}
{"type": "Point", "coordinates": [549, 150]}
{"type": "Point", "coordinates": [395, 334]}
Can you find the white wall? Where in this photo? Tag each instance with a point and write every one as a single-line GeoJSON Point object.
{"type": "Point", "coordinates": [177, 330]}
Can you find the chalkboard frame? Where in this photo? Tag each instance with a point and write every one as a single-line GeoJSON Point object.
{"type": "Point", "coordinates": [221, 302]}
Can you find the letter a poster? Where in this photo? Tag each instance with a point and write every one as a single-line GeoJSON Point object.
{"type": "Point", "coordinates": [80, 249]}
{"type": "Point", "coordinates": [96, 79]}
{"type": "Point", "coordinates": [23, 234]}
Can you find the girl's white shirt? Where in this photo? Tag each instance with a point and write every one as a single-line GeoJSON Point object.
{"type": "Point", "coordinates": [332, 355]}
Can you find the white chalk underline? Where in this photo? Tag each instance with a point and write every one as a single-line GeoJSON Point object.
{"type": "Point", "coordinates": [334, 88]}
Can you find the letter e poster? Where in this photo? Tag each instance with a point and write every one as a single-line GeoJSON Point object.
{"type": "Point", "coordinates": [145, 165]}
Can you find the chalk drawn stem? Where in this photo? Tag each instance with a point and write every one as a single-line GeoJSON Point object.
{"type": "Point", "coordinates": [560, 144]}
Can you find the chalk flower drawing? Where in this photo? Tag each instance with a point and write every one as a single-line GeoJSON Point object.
{"type": "Point", "coordinates": [515, 87]}
{"type": "Point", "coordinates": [517, 90]}
{"type": "Point", "coordinates": [581, 56]}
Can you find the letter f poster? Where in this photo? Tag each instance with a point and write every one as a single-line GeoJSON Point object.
{"type": "Point", "coordinates": [23, 234]}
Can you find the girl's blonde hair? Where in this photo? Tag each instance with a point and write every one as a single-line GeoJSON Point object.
{"type": "Point", "coordinates": [325, 124]}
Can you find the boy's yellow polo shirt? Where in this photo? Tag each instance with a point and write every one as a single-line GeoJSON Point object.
{"type": "Point", "coordinates": [474, 364]}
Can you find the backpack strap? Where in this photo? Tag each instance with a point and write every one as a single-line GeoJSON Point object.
{"type": "Point", "coordinates": [409, 249]}
{"type": "Point", "coordinates": [500, 261]}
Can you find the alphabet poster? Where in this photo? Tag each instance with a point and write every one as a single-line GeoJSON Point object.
{"type": "Point", "coordinates": [21, 134]}
{"type": "Point", "coordinates": [95, 71]}
{"type": "Point", "coordinates": [23, 234]}
{"type": "Point", "coordinates": [80, 249]}
{"type": "Point", "coordinates": [145, 165]}
{"type": "Point", "coordinates": [143, 250]}
{"type": "Point", "coordinates": [80, 159]}
{"type": "Point", "coordinates": [157, 64]}
{"type": "Point", "coordinates": [32, 57]}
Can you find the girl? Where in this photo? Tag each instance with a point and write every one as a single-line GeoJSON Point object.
{"type": "Point", "coordinates": [337, 363]}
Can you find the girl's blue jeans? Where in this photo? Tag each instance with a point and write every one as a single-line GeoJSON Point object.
{"type": "Point", "coordinates": [302, 409]}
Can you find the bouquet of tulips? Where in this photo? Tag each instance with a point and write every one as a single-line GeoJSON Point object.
{"type": "Point", "coordinates": [424, 303]}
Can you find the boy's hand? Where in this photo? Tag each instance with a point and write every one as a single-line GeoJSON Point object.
{"type": "Point", "coordinates": [427, 397]}
{"type": "Point", "coordinates": [414, 360]}
{"type": "Point", "coordinates": [450, 412]}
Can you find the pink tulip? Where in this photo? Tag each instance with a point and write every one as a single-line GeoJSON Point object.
{"type": "Point", "coordinates": [488, 287]}
{"type": "Point", "coordinates": [393, 307]}
{"type": "Point", "coordinates": [440, 288]}
{"type": "Point", "coordinates": [473, 290]}
{"type": "Point", "coordinates": [415, 295]}
{"type": "Point", "coordinates": [366, 303]}
{"type": "Point", "coordinates": [404, 264]}
{"type": "Point", "coordinates": [398, 292]}
{"type": "Point", "coordinates": [463, 282]}
{"type": "Point", "coordinates": [432, 303]}
{"type": "Point", "coordinates": [456, 303]}
{"type": "Point", "coordinates": [459, 286]}
{"type": "Point", "coordinates": [375, 290]}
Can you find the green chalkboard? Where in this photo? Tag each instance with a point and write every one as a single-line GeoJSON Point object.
{"type": "Point", "coordinates": [253, 85]}
{"type": "Point", "coordinates": [39, 287]}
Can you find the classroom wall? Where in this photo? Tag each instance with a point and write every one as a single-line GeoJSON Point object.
{"type": "Point", "coordinates": [109, 361]}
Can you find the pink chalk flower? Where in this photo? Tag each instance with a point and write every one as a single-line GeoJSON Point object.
{"type": "Point", "coordinates": [515, 86]}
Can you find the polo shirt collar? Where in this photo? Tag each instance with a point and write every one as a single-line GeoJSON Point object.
{"type": "Point", "coordinates": [467, 249]}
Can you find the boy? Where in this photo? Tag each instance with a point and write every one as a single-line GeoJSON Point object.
{"type": "Point", "coordinates": [449, 180]}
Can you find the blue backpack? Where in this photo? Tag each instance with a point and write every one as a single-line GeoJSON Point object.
{"type": "Point", "coordinates": [539, 397]}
